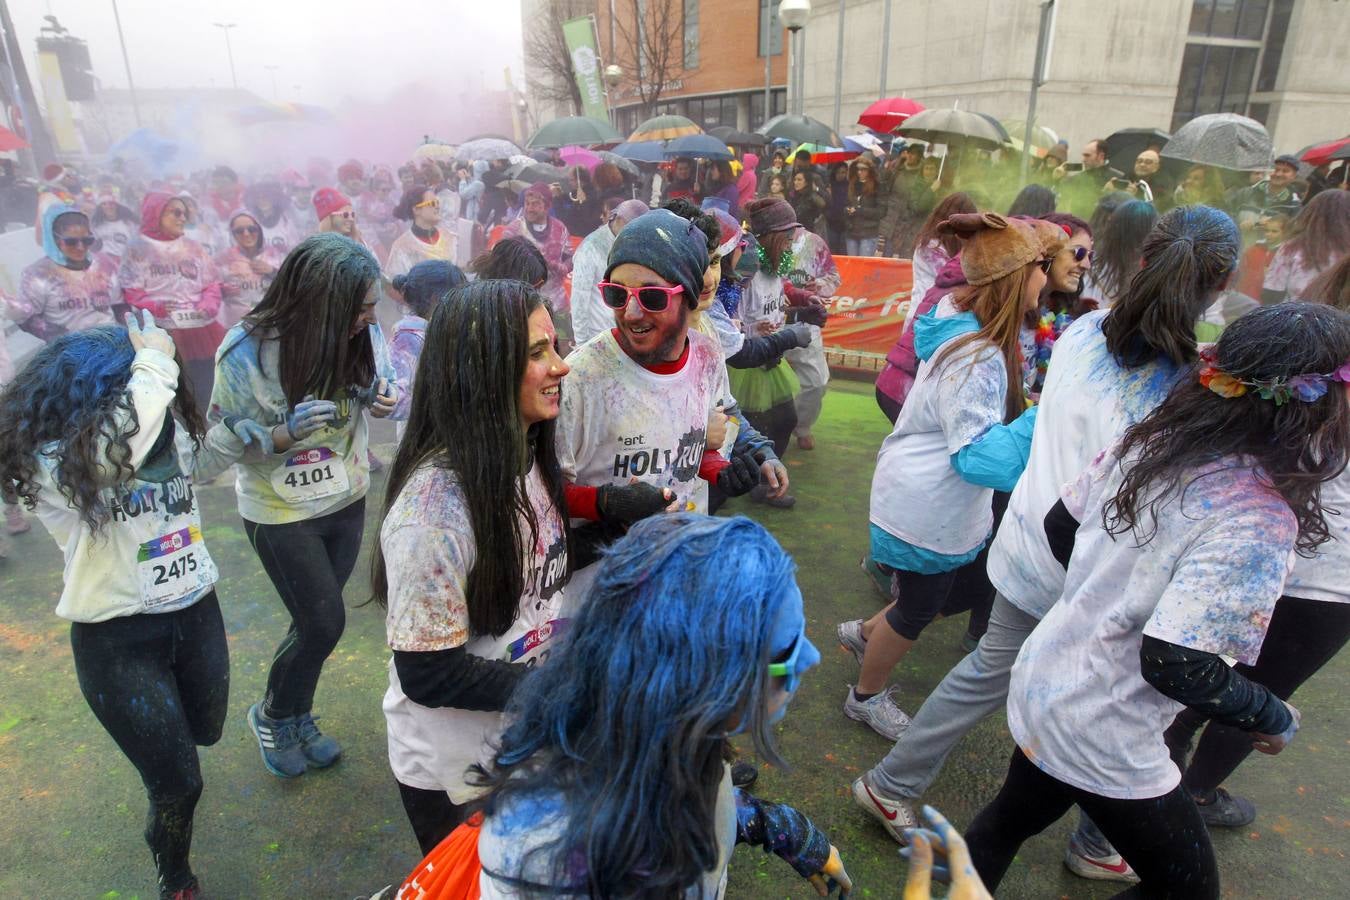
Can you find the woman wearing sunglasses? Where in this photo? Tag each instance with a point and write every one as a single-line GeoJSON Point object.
{"type": "Point", "coordinates": [1062, 297]}
{"type": "Point", "coordinates": [963, 433]}
{"type": "Point", "coordinates": [424, 239]}
{"type": "Point", "coordinates": [246, 268]}
{"type": "Point", "coordinates": [174, 277]}
{"type": "Point", "coordinates": [709, 652]}
{"type": "Point", "coordinates": [71, 287]}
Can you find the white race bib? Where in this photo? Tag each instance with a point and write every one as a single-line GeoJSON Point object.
{"type": "Point", "coordinates": [174, 566]}
{"type": "Point", "coordinates": [310, 475]}
{"type": "Point", "coordinates": [189, 317]}
{"type": "Point", "coordinates": [533, 647]}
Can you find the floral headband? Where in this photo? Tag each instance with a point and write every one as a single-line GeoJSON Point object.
{"type": "Point", "coordinates": [1307, 388]}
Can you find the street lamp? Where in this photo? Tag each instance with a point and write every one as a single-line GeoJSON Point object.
{"type": "Point", "coordinates": [793, 14]}
{"type": "Point", "coordinates": [612, 75]}
{"type": "Point", "coordinates": [225, 27]}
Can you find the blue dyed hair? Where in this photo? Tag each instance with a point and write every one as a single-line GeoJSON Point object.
{"type": "Point", "coordinates": [427, 283]}
{"type": "Point", "coordinates": [73, 395]}
{"type": "Point", "coordinates": [627, 723]}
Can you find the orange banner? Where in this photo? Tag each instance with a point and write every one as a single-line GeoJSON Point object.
{"type": "Point", "coordinates": [868, 310]}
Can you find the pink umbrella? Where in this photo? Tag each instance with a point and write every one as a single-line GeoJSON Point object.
{"type": "Point", "coordinates": [580, 156]}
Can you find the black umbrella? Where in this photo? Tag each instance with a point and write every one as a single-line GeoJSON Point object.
{"type": "Point", "coordinates": [729, 135]}
{"type": "Point", "coordinates": [1127, 143]}
{"type": "Point", "coordinates": [800, 130]}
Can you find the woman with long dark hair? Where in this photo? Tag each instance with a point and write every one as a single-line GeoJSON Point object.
{"type": "Point", "coordinates": [100, 435]}
{"type": "Point", "coordinates": [964, 433]}
{"type": "Point", "coordinates": [1117, 245]}
{"type": "Point", "coordinates": [425, 238]}
{"type": "Point", "coordinates": [1112, 367]}
{"type": "Point", "coordinates": [1033, 201]}
{"type": "Point", "coordinates": [638, 730]}
{"type": "Point", "coordinates": [473, 542]}
{"type": "Point", "coordinates": [307, 362]}
{"type": "Point", "coordinates": [514, 258]}
{"type": "Point", "coordinates": [1318, 237]}
{"type": "Point", "coordinates": [866, 208]}
{"type": "Point", "coordinates": [1062, 297]}
{"type": "Point", "coordinates": [1187, 528]}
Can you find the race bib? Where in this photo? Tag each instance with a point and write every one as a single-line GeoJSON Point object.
{"type": "Point", "coordinates": [310, 475]}
{"type": "Point", "coordinates": [189, 317]}
{"type": "Point", "coordinates": [174, 566]}
{"type": "Point", "coordinates": [534, 646]}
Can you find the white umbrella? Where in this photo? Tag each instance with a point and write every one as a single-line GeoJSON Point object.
{"type": "Point", "coordinates": [1222, 140]}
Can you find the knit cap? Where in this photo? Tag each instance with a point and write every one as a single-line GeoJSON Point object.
{"type": "Point", "coordinates": [669, 245]}
{"type": "Point", "coordinates": [768, 215]}
{"type": "Point", "coordinates": [328, 201]}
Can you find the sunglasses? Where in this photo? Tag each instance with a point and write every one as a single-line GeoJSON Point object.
{"type": "Point", "coordinates": [787, 669]}
{"type": "Point", "coordinates": [434, 204]}
{"type": "Point", "coordinates": [245, 229]}
{"type": "Point", "coordinates": [1045, 264]}
{"type": "Point", "coordinates": [1082, 253]}
{"type": "Point", "coordinates": [651, 298]}
{"type": "Point", "coordinates": [78, 241]}
{"type": "Point", "coordinates": [345, 215]}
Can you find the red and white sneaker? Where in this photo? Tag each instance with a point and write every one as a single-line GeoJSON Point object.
{"type": "Point", "coordinates": [1086, 863]}
{"type": "Point", "coordinates": [894, 815]}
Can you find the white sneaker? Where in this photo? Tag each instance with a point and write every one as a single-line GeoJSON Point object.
{"type": "Point", "coordinates": [1086, 863]}
{"type": "Point", "coordinates": [880, 712]}
{"type": "Point", "coordinates": [894, 815]}
{"type": "Point", "coordinates": [851, 638]}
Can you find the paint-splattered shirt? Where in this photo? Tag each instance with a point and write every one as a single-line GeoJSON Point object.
{"type": "Point", "coordinates": [1208, 579]}
{"type": "Point", "coordinates": [53, 300]}
{"type": "Point", "coordinates": [408, 250]}
{"type": "Point", "coordinates": [320, 474]}
{"type": "Point", "coordinates": [177, 277]}
{"type": "Point", "coordinates": [1088, 401]}
{"type": "Point", "coordinates": [429, 549]}
{"type": "Point", "coordinates": [1326, 576]}
{"type": "Point", "coordinates": [241, 287]}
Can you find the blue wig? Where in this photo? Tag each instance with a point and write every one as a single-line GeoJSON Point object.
{"type": "Point", "coordinates": [427, 283]}
{"type": "Point", "coordinates": [626, 725]}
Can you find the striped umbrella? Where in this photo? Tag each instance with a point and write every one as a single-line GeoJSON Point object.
{"type": "Point", "coordinates": [664, 128]}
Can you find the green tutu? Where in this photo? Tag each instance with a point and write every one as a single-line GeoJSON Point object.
{"type": "Point", "coordinates": [760, 389]}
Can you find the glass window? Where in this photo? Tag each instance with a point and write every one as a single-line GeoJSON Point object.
{"type": "Point", "coordinates": [778, 101]}
{"type": "Point", "coordinates": [1270, 62]}
{"type": "Point", "coordinates": [1201, 11]}
{"type": "Point", "coordinates": [775, 29]}
{"type": "Point", "coordinates": [1225, 20]}
{"type": "Point", "coordinates": [691, 34]}
{"type": "Point", "coordinates": [1239, 85]}
{"type": "Point", "coordinates": [1252, 20]}
{"type": "Point", "coordinates": [1192, 65]}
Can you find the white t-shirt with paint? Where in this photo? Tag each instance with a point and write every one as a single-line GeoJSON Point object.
{"type": "Point", "coordinates": [429, 549]}
{"type": "Point", "coordinates": [1208, 580]}
{"type": "Point", "coordinates": [1326, 576]}
{"type": "Point", "coordinates": [916, 494]}
{"type": "Point", "coordinates": [1088, 402]}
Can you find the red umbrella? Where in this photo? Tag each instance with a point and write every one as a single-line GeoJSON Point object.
{"type": "Point", "coordinates": [10, 141]}
{"type": "Point", "coordinates": [1325, 153]}
{"type": "Point", "coordinates": [889, 114]}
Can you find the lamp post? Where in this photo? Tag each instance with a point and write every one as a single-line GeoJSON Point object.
{"type": "Point", "coordinates": [131, 85]}
{"type": "Point", "coordinates": [793, 14]}
{"type": "Point", "coordinates": [613, 75]}
{"type": "Point", "coordinates": [229, 51]}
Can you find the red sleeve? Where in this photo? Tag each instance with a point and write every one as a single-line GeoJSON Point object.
{"type": "Point", "coordinates": [211, 298]}
{"type": "Point", "coordinates": [582, 501]}
{"type": "Point", "coordinates": [711, 465]}
{"type": "Point", "coordinates": [141, 300]}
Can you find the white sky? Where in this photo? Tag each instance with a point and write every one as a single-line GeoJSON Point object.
{"type": "Point", "coordinates": [325, 49]}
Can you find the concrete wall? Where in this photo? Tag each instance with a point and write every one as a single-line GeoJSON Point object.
{"type": "Point", "coordinates": [1313, 101]}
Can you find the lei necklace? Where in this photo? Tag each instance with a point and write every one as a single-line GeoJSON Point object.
{"type": "Point", "coordinates": [785, 262]}
{"type": "Point", "coordinates": [1307, 388]}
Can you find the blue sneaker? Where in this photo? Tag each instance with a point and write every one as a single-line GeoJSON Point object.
{"type": "Point", "coordinates": [279, 742]}
{"type": "Point", "coordinates": [320, 750]}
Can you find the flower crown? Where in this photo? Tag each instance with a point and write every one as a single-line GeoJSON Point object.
{"type": "Point", "coordinates": [1308, 388]}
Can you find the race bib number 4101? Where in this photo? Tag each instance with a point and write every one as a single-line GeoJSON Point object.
{"type": "Point", "coordinates": [174, 566]}
{"type": "Point", "coordinates": [310, 475]}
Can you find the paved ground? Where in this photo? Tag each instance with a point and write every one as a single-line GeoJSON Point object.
{"type": "Point", "coordinates": [72, 809]}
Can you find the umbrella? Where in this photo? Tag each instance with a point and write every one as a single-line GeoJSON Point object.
{"type": "Point", "coordinates": [580, 156]}
{"type": "Point", "coordinates": [663, 128]}
{"type": "Point", "coordinates": [800, 130]}
{"type": "Point", "coordinates": [623, 164]}
{"type": "Point", "coordinates": [573, 130]}
{"type": "Point", "coordinates": [1123, 146]}
{"type": "Point", "coordinates": [730, 136]}
{"type": "Point", "coordinates": [1042, 138]}
{"type": "Point", "coordinates": [1224, 141]}
{"type": "Point", "coordinates": [954, 126]}
{"type": "Point", "coordinates": [886, 115]}
{"type": "Point", "coordinates": [435, 150]}
{"type": "Point", "coordinates": [10, 141]}
{"type": "Point", "coordinates": [642, 151]}
{"type": "Point", "coordinates": [534, 172]}
{"type": "Point", "coordinates": [145, 144]}
{"type": "Point", "coordinates": [487, 148]}
{"type": "Point", "coordinates": [1316, 155]}
{"type": "Point", "coordinates": [699, 146]}
{"type": "Point", "coordinates": [821, 155]}
{"type": "Point", "coordinates": [862, 142]}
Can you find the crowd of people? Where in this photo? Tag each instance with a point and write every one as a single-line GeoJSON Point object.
{"type": "Point", "coordinates": [1121, 421]}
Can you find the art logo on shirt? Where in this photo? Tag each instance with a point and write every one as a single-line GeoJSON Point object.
{"type": "Point", "coordinates": [170, 498]}
{"type": "Point", "coordinates": [679, 464]}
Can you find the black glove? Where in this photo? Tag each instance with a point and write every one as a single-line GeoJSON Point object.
{"type": "Point", "coordinates": [801, 334]}
{"type": "Point", "coordinates": [815, 314]}
{"type": "Point", "coordinates": [627, 503]}
{"type": "Point", "coordinates": [740, 477]}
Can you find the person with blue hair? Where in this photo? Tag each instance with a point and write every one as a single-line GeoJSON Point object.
{"type": "Point", "coordinates": [636, 728]}
{"type": "Point", "coordinates": [421, 288]}
{"type": "Point", "coordinates": [101, 435]}
{"type": "Point", "coordinates": [72, 286]}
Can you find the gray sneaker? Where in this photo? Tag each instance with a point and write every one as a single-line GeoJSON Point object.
{"type": "Point", "coordinates": [851, 638]}
{"type": "Point", "coordinates": [880, 712]}
{"type": "Point", "coordinates": [320, 750]}
{"type": "Point", "coordinates": [279, 742]}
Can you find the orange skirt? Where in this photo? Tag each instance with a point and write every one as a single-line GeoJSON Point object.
{"type": "Point", "coordinates": [450, 871]}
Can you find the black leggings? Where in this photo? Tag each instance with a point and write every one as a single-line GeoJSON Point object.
{"type": "Point", "coordinates": [159, 684]}
{"type": "Point", "coordinates": [431, 813]}
{"type": "Point", "coordinates": [1163, 838]}
{"type": "Point", "coordinates": [308, 562]}
{"type": "Point", "coordinates": [776, 423]}
{"type": "Point", "coordinates": [1304, 636]}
